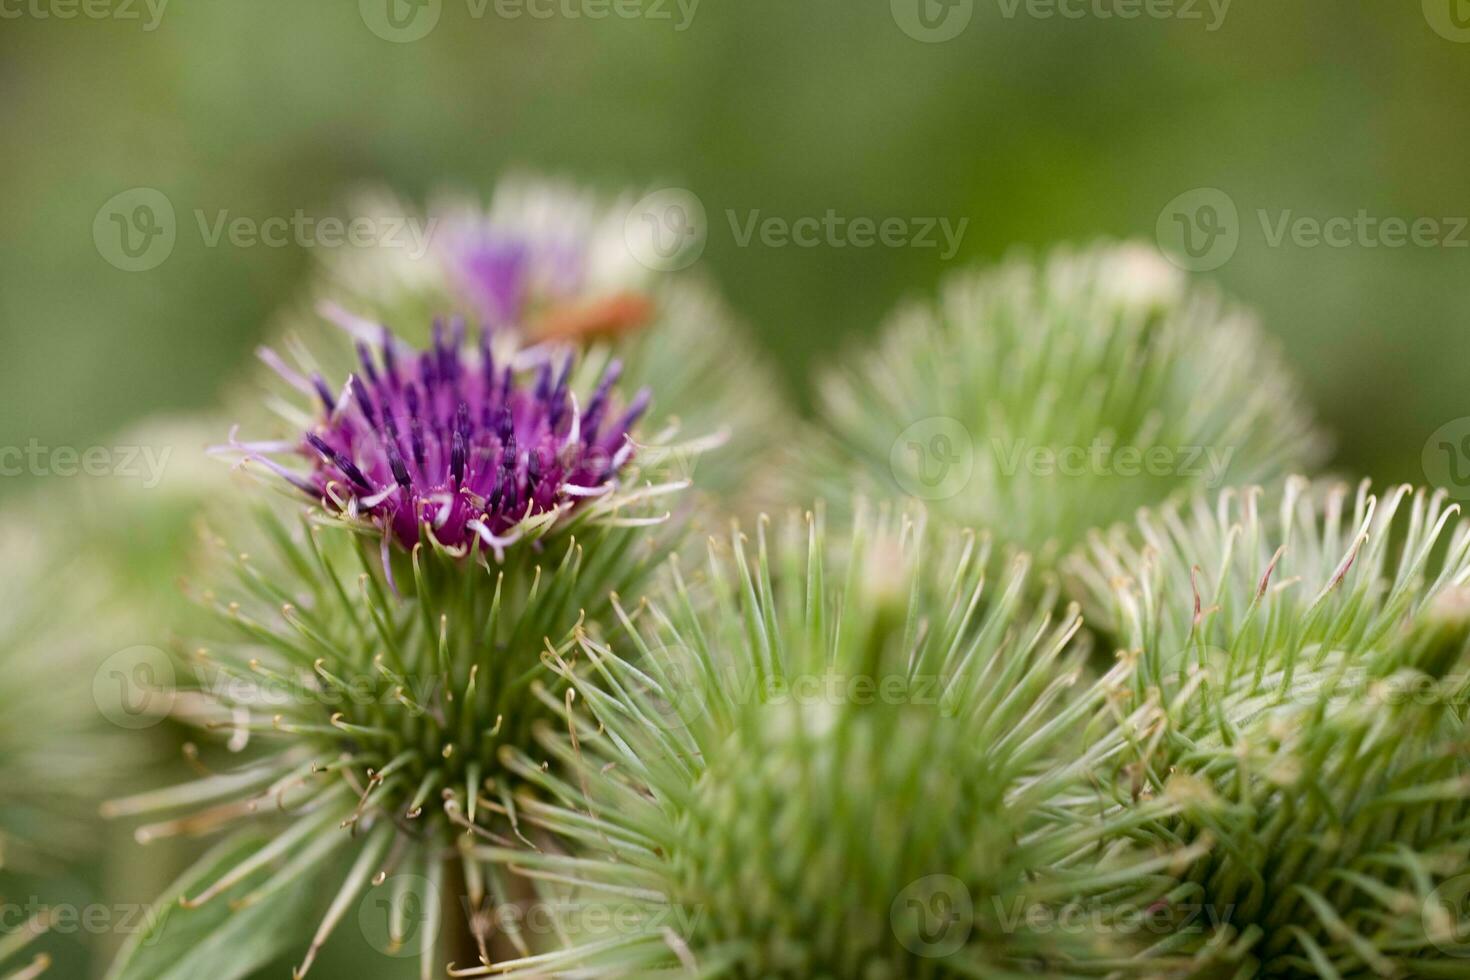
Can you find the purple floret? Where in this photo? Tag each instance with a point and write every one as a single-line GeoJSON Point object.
{"type": "Point", "coordinates": [447, 438]}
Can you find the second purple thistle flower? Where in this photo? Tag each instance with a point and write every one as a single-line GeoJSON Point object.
{"type": "Point", "coordinates": [448, 440]}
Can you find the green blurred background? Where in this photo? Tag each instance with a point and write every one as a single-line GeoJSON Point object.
{"type": "Point", "coordinates": [1035, 129]}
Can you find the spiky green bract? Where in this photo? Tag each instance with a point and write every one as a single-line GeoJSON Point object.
{"type": "Point", "coordinates": [1045, 399]}
{"type": "Point", "coordinates": [381, 696]}
{"type": "Point", "coordinates": [1304, 663]}
{"type": "Point", "coordinates": [53, 746]}
{"type": "Point", "coordinates": [13, 944]}
{"type": "Point", "coordinates": [56, 759]}
{"type": "Point", "coordinates": [546, 262]}
{"type": "Point", "coordinates": [857, 757]}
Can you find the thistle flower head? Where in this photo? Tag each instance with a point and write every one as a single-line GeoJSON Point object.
{"type": "Point", "coordinates": [826, 758]}
{"type": "Point", "coordinates": [543, 259]}
{"type": "Point", "coordinates": [1301, 660]}
{"type": "Point", "coordinates": [542, 254]}
{"type": "Point", "coordinates": [549, 266]}
{"type": "Point", "coordinates": [381, 678]}
{"type": "Point", "coordinates": [1045, 399]}
{"type": "Point", "coordinates": [445, 442]}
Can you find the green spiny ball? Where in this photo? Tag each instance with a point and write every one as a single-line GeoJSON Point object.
{"type": "Point", "coordinates": [845, 757]}
{"type": "Point", "coordinates": [1043, 399]}
{"type": "Point", "coordinates": [1301, 675]}
{"type": "Point", "coordinates": [782, 823]}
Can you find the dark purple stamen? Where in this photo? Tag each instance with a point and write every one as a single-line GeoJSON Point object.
{"type": "Point", "coordinates": [416, 440]}
{"type": "Point", "coordinates": [598, 403]}
{"type": "Point", "coordinates": [400, 471]}
{"type": "Point", "coordinates": [364, 402]}
{"type": "Point", "coordinates": [369, 370]}
{"type": "Point", "coordinates": [448, 435]}
{"type": "Point", "coordinates": [330, 455]}
{"type": "Point", "coordinates": [323, 392]}
{"type": "Point", "coordinates": [390, 366]}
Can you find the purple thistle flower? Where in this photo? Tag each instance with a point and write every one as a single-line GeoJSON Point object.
{"type": "Point", "coordinates": [447, 439]}
{"type": "Point", "coordinates": [541, 282]}
{"type": "Point", "coordinates": [502, 270]}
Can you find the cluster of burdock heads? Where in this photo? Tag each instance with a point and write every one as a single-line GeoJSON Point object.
{"type": "Point", "coordinates": [515, 677]}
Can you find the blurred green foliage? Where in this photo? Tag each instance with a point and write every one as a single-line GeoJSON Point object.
{"type": "Point", "coordinates": [1035, 130]}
